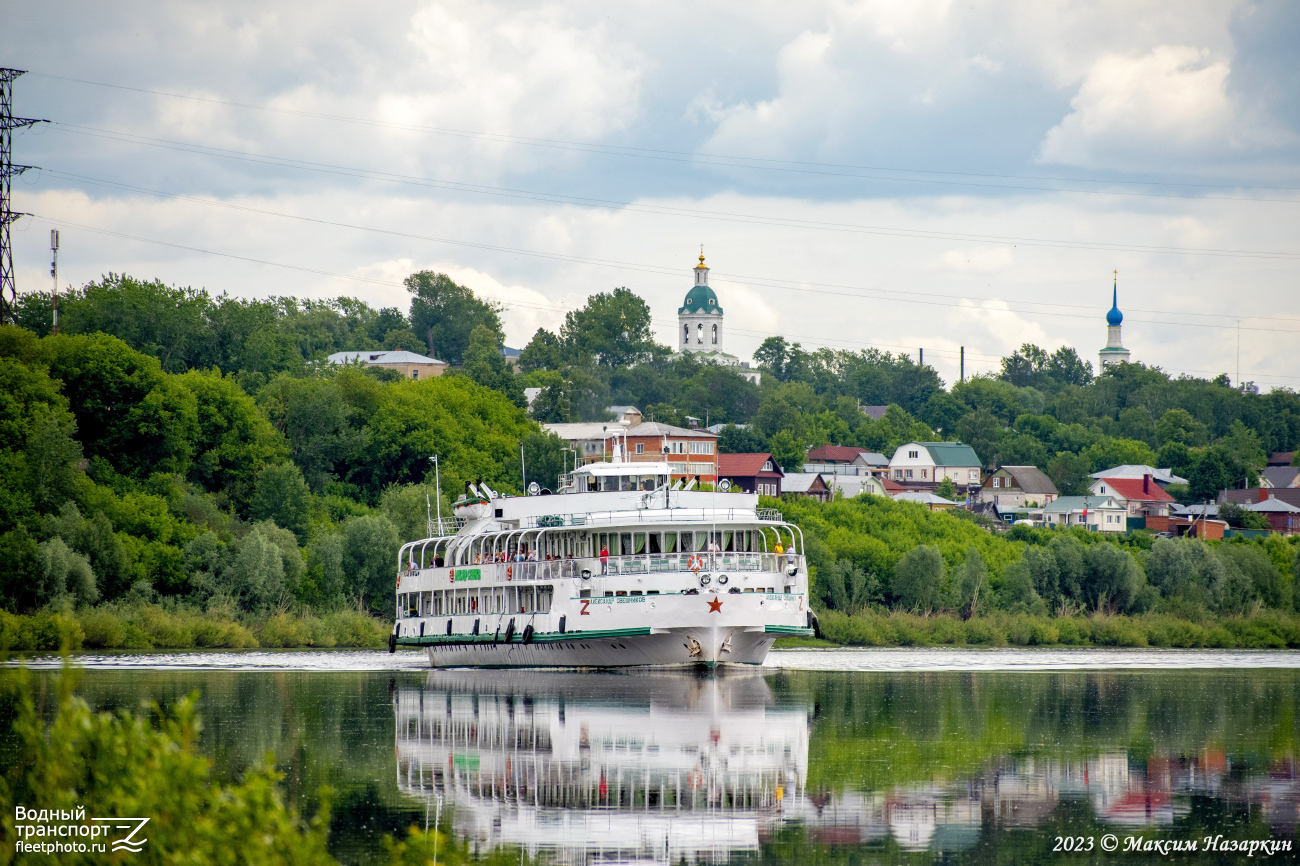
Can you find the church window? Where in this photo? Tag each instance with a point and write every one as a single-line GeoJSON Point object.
{"type": "Point", "coordinates": [715, 335]}
{"type": "Point", "coordinates": [699, 333]}
{"type": "Point", "coordinates": [686, 333]}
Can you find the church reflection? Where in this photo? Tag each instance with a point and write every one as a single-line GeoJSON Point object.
{"type": "Point", "coordinates": [663, 768]}
{"type": "Point", "coordinates": [604, 766]}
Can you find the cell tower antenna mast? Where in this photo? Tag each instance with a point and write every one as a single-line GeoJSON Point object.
{"type": "Point", "coordinates": [8, 123]}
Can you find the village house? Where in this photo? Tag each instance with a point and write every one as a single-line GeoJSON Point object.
{"type": "Point", "coordinates": [1140, 497]}
{"type": "Point", "coordinates": [810, 484]}
{"type": "Point", "coordinates": [689, 453]}
{"type": "Point", "coordinates": [1163, 477]}
{"type": "Point", "coordinates": [1282, 516]}
{"type": "Point", "coordinates": [926, 498]}
{"type": "Point", "coordinates": [410, 364]}
{"type": "Point", "coordinates": [1094, 513]}
{"type": "Point", "coordinates": [845, 460]}
{"type": "Point", "coordinates": [752, 473]}
{"type": "Point", "coordinates": [850, 486]}
{"type": "Point", "coordinates": [922, 465]}
{"type": "Point", "coordinates": [1013, 487]}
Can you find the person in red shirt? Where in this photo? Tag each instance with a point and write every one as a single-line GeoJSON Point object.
{"type": "Point", "coordinates": [604, 560]}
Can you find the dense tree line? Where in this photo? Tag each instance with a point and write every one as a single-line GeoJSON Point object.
{"type": "Point", "coordinates": [873, 553]}
{"type": "Point", "coordinates": [178, 443]}
{"type": "Point", "coordinates": [122, 480]}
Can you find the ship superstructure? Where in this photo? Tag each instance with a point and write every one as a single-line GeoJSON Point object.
{"type": "Point", "coordinates": [619, 568]}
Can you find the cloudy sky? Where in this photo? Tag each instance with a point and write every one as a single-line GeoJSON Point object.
{"type": "Point", "coordinates": [913, 175]}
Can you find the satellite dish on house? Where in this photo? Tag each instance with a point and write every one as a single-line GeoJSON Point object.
{"type": "Point", "coordinates": [534, 489]}
{"type": "Point", "coordinates": [725, 485]}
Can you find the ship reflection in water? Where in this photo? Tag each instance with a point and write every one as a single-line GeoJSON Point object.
{"type": "Point", "coordinates": [645, 766]}
{"type": "Point", "coordinates": [658, 767]}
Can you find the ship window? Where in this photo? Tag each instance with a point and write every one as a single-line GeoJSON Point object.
{"type": "Point", "coordinates": [625, 543]}
{"type": "Point", "coordinates": [656, 542]}
{"type": "Point", "coordinates": [527, 599]}
{"type": "Point", "coordinates": [636, 592]}
{"type": "Point", "coordinates": [512, 600]}
{"type": "Point", "coordinates": [544, 596]}
{"type": "Point", "coordinates": [688, 542]}
{"type": "Point", "coordinates": [621, 592]}
{"type": "Point", "coordinates": [670, 542]}
{"type": "Point", "coordinates": [638, 543]}
{"type": "Point", "coordinates": [727, 539]}
{"type": "Point", "coordinates": [401, 603]}
{"type": "Point", "coordinates": [647, 482]}
{"type": "Point", "coordinates": [609, 594]}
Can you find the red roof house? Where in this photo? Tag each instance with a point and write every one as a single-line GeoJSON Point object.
{"type": "Point", "coordinates": [1141, 497]}
{"type": "Point", "coordinates": [752, 473]}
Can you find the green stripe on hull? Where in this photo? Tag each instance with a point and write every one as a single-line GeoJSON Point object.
{"type": "Point", "coordinates": [538, 637]}
{"type": "Point", "coordinates": [792, 630]}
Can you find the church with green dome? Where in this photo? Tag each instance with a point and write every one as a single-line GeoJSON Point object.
{"type": "Point", "coordinates": [700, 325]}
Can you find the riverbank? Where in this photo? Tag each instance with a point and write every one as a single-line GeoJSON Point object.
{"type": "Point", "coordinates": [150, 626]}
{"type": "Point", "coordinates": [1263, 630]}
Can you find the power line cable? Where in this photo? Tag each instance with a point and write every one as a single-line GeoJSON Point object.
{"type": "Point", "coordinates": [720, 160]}
{"type": "Point", "coordinates": [856, 292]}
{"type": "Point", "coordinates": [753, 219]}
{"type": "Point", "coordinates": [516, 303]}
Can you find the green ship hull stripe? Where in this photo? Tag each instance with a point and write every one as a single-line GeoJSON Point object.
{"type": "Point", "coordinates": [557, 637]}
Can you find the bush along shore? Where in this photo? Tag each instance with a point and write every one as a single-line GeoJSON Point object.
{"type": "Point", "coordinates": [880, 628]}
{"type": "Point", "coordinates": [152, 626]}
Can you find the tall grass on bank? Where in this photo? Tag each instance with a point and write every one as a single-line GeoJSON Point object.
{"type": "Point", "coordinates": [1264, 630]}
{"type": "Point", "coordinates": [150, 626]}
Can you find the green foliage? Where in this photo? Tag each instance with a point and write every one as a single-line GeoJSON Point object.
{"type": "Point", "coordinates": [117, 764]}
{"type": "Point", "coordinates": [447, 314]}
{"type": "Point", "coordinates": [919, 578]}
{"type": "Point", "coordinates": [281, 495]}
{"type": "Point", "coordinates": [946, 489]}
{"type": "Point", "coordinates": [613, 328]}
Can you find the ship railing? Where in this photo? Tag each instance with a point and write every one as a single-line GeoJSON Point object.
{"type": "Point", "coordinates": [653, 563]}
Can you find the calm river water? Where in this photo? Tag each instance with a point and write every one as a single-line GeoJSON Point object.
{"type": "Point", "coordinates": [820, 757]}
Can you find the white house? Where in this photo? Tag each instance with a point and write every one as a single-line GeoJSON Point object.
{"type": "Point", "coordinates": [925, 464]}
{"type": "Point", "coordinates": [1095, 513]}
{"type": "Point", "coordinates": [1140, 497]}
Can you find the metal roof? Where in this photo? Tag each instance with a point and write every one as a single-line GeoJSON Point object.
{"type": "Point", "coordinates": [400, 356]}
{"type": "Point", "coordinates": [1029, 479]}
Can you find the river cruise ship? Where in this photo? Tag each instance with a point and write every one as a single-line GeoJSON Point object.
{"type": "Point", "coordinates": [621, 567]}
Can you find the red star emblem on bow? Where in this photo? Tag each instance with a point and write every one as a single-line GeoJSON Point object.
{"type": "Point", "coordinates": [715, 606]}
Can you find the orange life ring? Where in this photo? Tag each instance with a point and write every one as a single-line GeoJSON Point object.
{"type": "Point", "coordinates": [509, 571]}
{"type": "Point", "coordinates": [695, 563]}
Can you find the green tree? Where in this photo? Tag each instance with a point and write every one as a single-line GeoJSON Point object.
{"type": "Point", "coordinates": [543, 352]}
{"type": "Point", "coordinates": [370, 545]}
{"type": "Point", "coordinates": [787, 451]}
{"type": "Point", "coordinates": [485, 364]}
{"type": "Point", "coordinates": [255, 576]}
{"type": "Point", "coordinates": [281, 495]}
{"type": "Point", "coordinates": [21, 571]}
{"type": "Point", "coordinates": [1178, 426]}
{"type": "Point", "coordinates": [613, 328]}
{"type": "Point", "coordinates": [404, 338]}
{"type": "Point", "coordinates": [947, 489]}
{"type": "Point", "coordinates": [919, 578]}
{"type": "Point", "coordinates": [1112, 578]}
{"type": "Point", "coordinates": [447, 314]}
{"type": "Point", "coordinates": [970, 584]}
{"type": "Point", "coordinates": [64, 573]}
{"type": "Point", "coordinates": [53, 456]}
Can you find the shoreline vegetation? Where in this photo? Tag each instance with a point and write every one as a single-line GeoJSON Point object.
{"type": "Point", "coordinates": [152, 626]}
